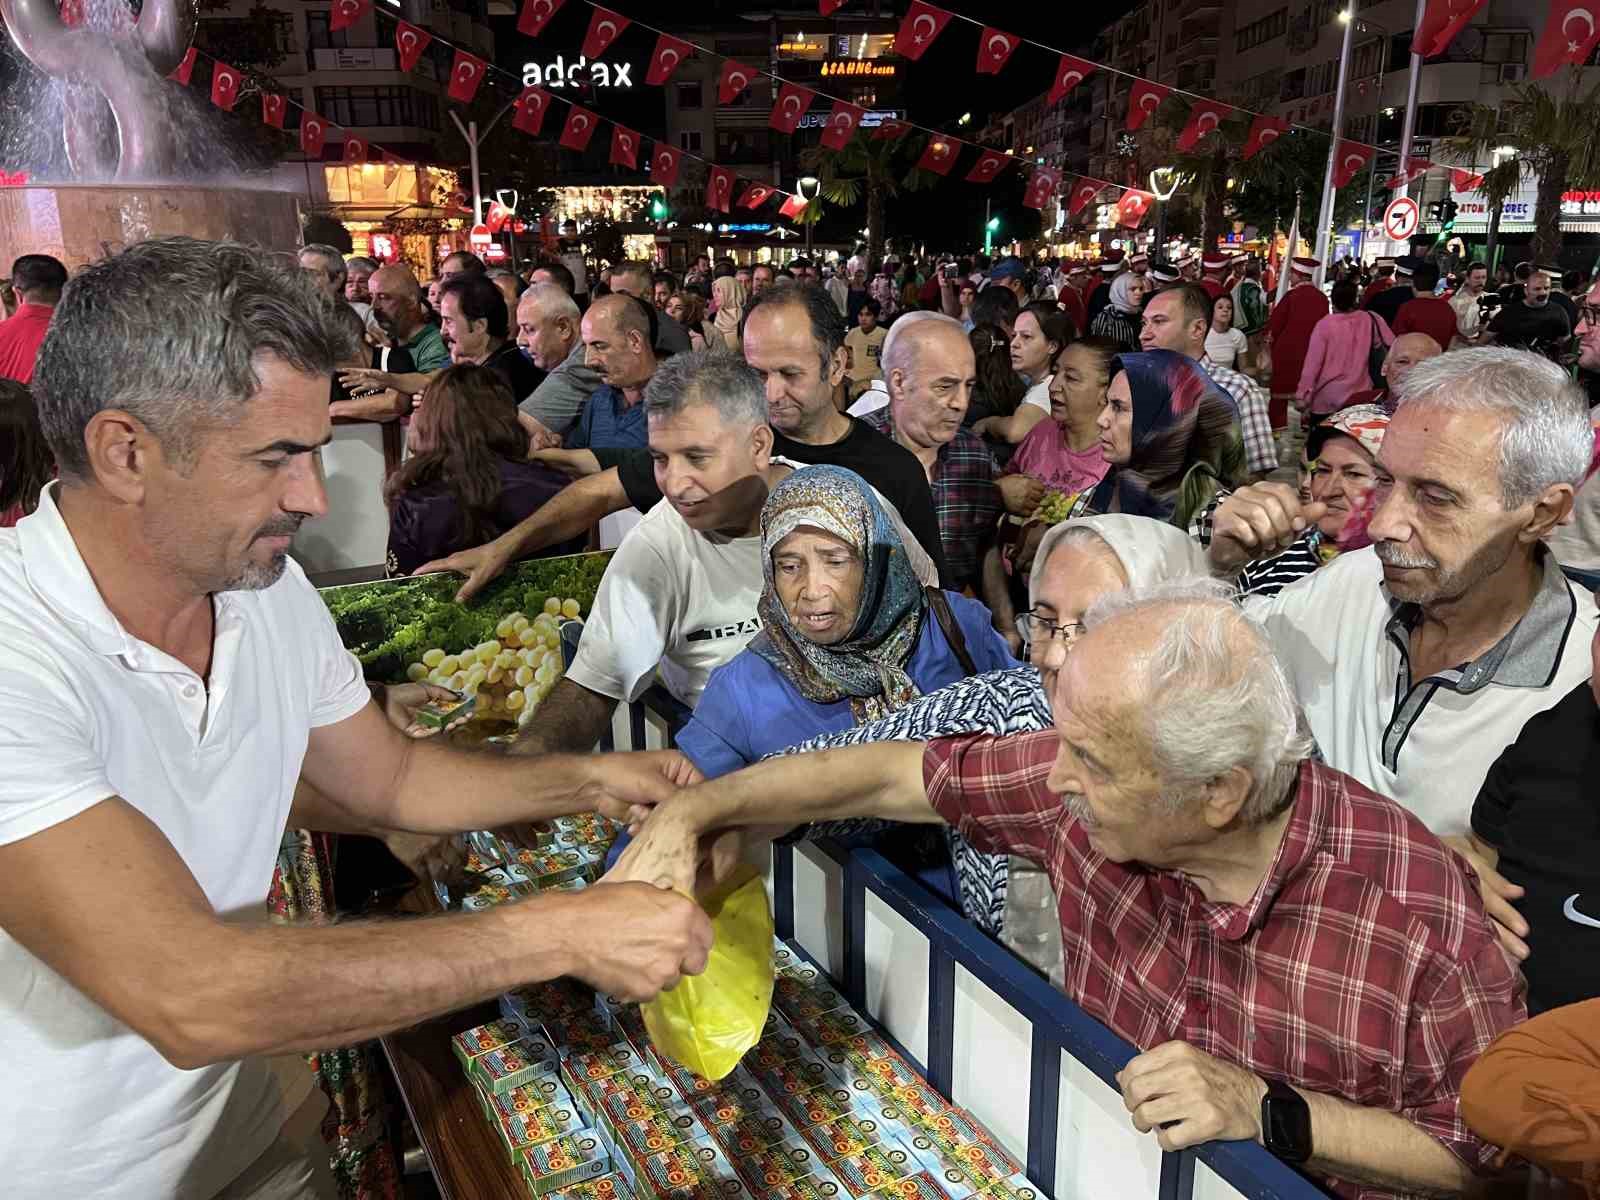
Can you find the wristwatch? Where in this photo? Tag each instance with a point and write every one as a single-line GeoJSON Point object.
{"type": "Point", "coordinates": [1286, 1122]}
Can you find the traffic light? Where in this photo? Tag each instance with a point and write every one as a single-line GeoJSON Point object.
{"type": "Point", "coordinates": [1436, 211]}
{"type": "Point", "coordinates": [1448, 212]}
{"type": "Point", "coordinates": [993, 225]}
{"type": "Point", "coordinates": [659, 211]}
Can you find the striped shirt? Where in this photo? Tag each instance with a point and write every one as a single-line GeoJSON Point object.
{"type": "Point", "coordinates": [1269, 576]}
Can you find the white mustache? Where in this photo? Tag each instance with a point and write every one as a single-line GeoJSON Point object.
{"type": "Point", "coordinates": [1392, 555]}
{"type": "Point", "coordinates": [1078, 808]}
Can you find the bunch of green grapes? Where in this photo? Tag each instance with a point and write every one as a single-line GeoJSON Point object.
{"type": "Point", "coordinates": [512, 672]}
{"type": "Point", "coordinates": [1055, 508]}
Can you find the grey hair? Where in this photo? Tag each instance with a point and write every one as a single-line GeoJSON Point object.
{"type": "Point", "coordinates": [171, 330]}
{"type": "Point", "coordinates": [716, 377]}
{"type": "Point", "coordinates": [333, 261]}
{"type": "Point", "coordinates": [361, 261]}
{"type": "Point", "coordinates": [1214, 695]}
{"type": "Point", "coordinates": [552, 300]}
{"type": "Point", "coordinates": [896, 353]}
{"type": "Point", "coordinates": [1547, 438]}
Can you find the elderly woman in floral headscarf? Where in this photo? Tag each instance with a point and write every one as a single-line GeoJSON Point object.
{"type": "Point", "coordinates": [849, 633]}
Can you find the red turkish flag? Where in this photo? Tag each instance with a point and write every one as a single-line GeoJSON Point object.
{"type": "Point", "coordinates": [1084, 191]}
{"type": "Point", "coordinates": [664, 163]}
{"type": "Point", "coordinates": [580, 127]}
{"type": "Point", "coordinates": [1462, 180]}
{"type": "Point", "coordinates": [829, 7]}
{"type": "Point", "coordinates": [989, 164]}
{"type": "Point", "coordinates": [272, 108]}
{"type": "Point", "coordinates": [346, 13]}
{"type": "Point", "coordinates": [940, 155]}
{"type": "Point", "coordinates": [1143, 100]}
{"type": "Point", "coordinates": [185, 67]}
{"type": "Point", "coordinates": [891, 128]}
{"type": "Point", "coordinates": [224, 86]}
{"type": "Point", "coordinates": [1204, 117]}
{"type": "Point", "coordinates": [624, 147]}
{"type": "Point", "coordinates": [1416, 169]}
{"type": "Point", "coordinates": [1041, 187]}
{"type": "Point", "coordinates": [792, 207]}
{"type": "Point", "coordinates": [604, 26]}
{"type": "Point", "coordinates": [734, 79]}
{"type": "Point", "coordinates": [355, 150]}
{"type": "Point", "coordinates": [666, 58]}
{"type": "Point", "coordinates": [466, 75]}
{"type": "Point", "coordinates": [1440, 24]}
{"type": "Point", "coordinates": [719, 188]}
{"type": "Point", "coordinates": [1264, 130]}
{"type": "Point", "coordinates": [1070, 72]}
{"type": "Point", "coordinates": [496, 216]}
{"type": "Point", "coordinates": [535, 15]}
{"type": "Point", "coordinates": [313, 132]}
{"type": "Point", "coordinates": [923, 23]}
{"type": "Point", "coordinates": [995, 47]}
{"type": "Point", "coordinates": [391, 166]}
{"type": "Point", "coordinates": [755, 195]}
{"type": "Point", "coordinates": [409, 43]}
{"type": "Point", "coordinates": [791, 105]}
{"type": "Point", "coordinates": [1570, 33]}
{"type": "Point", "coordinates": [1132, 205]}
{"type": "Point", "coordinates": [1350, 158]}
{"type": "Point", "coordinates": [530, 109]}
{"type": "Point", "coordinates": [842, 124]}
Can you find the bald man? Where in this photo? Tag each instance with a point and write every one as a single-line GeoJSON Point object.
{"type": "Point", "coordinates": [1405, 352]}
{"type": "Point", "coordinates": [617, 345]}
{"type": "Point", "coordinates": [636, 279]}
{"type": "Point", "coordinates": [415, 354]}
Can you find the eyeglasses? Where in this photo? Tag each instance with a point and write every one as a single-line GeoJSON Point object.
{"type": "Point", "coordinates": [1588, 314]}
{"type": "Point", "coordinates": [1035, 628]}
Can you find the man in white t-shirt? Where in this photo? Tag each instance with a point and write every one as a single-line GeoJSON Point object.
{"type": "Point", "coordinates": [166, 677]}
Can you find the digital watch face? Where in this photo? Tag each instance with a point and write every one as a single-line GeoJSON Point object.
{"type": "Point", "coordinates": [1288, 1128]}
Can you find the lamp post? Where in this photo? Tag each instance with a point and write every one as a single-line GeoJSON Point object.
{"type": "Point", "coordinates": [1325, 213]}
{"type": "Point", "coordinates": [809, 186]}
{"type": "Point", "coordinates": [1163, 185]}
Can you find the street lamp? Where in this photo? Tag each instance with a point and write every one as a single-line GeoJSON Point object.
{"type": "Point", "coordinates": [1164, 185]}
{"type": "Point", "coordinates": [809, 186]}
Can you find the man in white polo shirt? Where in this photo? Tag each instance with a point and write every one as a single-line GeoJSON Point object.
{"type": "Point", "coordinates": [166, 676]}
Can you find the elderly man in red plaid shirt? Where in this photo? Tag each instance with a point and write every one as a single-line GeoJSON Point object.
{"type": "Point", "coordinates": [1299, 960]}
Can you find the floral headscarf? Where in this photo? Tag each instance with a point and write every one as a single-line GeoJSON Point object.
{"type": "Point", "coordinates": [868, 666]}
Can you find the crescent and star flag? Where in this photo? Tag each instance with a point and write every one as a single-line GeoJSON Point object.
{"type": "Point", "coordinates": [1570, 33]}
{"type": "Point", "coordinates": [272, 109]}
{"type": "Point", "coordinates": [755, 195]}
{"type": "Point", "coordinates": [793, 207]}
{"type": "Point", "coordinates": [604, 26]}
{"type": "Point", "coordinates": [1132, 206]}
{"type": "Point", "coordinates": [531, 107]}
{"type": "Point", "coordinates": [313, 131]}
{"type": "Point", "coordinates": [791, 105]}
{"type": "Point", "coordinates": [466, 75]}
{"type": "Point", "coordinates": [355, 150]}
{"type": "Point", "coordinates": [185, 67]}
{"type": "Point", "coordinates": [829, 7]}
{"type": "Point", "coordinates": [579, 128]}
{"type": "Point", "coordinates": [664, 163]}
{"type": "Point", "coordinates": [496, 216]}
{"type": "Point", "coordinates": [1264, 130]}
{"type": "Point", "coordinates": [666, 58]}
{"type": "Point", "coordinates": [842, 124]}
{"type": "Point", "coordinates": [1442, 20]}
{"type": "Point", "coordinates": [734, 79]}
{"type": "Point", "coordinates": [409, 43]}
{"type": "Point", "coordinates": [990, 163]}
{"type": "Point", "coordinates": [1083, 193]}
{"type": "Point", "coordinates": [1350, 158]}
{"type": "Point", "coordinates": [995, 47]}
{"type": "Point", "coordinates": [923, 23]}
{"type": "Point", "coordinates": [624, 147]}
{"type": "Point", "coordinates": [1144, 99]}
{"type": "Point", "coordinates": [1204, 117]}
{"type": "Point", "coordinates": [719, 188]}
{"type": "Point", "coordinates": [224, 86]}
{"type": "Point", "coordinates": [1416, 169]}
{"type": "Point", "coordinates": [1464, 180]}
{"type": "Point", "coordinates": [1070, 72]}
{"type": "Point", "coordinates": [940, 155]}
{"type": "Point", "coordinates": [891, 128]}
{"type": "Point", "coordinates": [1041, 187]}
{"type": "Point", "coordinates": [346, 13]}
{"type": "Point", "coordinates": [535, 15]}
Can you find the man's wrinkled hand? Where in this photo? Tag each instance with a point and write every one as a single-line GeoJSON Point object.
{"type": "Point", "coordinates": [1497, 892]}
{"type": "Point", "coordinates": [1188, 1097]}
{"type": "Point", "coordinates": [1257, 522]}
{"type": "Point", "coordinates": [1021, 494]}
{"type": "Point", "coordinates": [634, 941]}
{"type": "Point", "coordinates": [482, 565]}
{"type": "Point", "coordinates": [665, 851]}
{"type": "Point", "coordinates": [401, 700]}
{"type": "Point", "coordinates": [625, 785]}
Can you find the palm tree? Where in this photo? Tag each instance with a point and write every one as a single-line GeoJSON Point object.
{"type": "Point", "coordinates": [1552, 140]}
{"type": "Point", "coordinates": [867, 163]}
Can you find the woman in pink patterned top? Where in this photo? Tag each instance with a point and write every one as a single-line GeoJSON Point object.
{"type": "Point", "coordinates": [1063, 453]}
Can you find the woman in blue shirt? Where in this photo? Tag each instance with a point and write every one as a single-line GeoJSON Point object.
{"type": "Point", "coordinates": [849, 634]}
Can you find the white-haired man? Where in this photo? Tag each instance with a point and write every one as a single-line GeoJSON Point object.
{"type": "Point", "coordinates": [1298, 959]}
{"type": "Point", "coordinates": [550, 330]}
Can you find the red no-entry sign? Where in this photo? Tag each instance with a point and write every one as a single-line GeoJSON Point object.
{"type": "Point", "coordinates": [1401, 218]}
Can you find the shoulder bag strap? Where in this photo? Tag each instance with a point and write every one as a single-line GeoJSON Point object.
{"type": "Point", "coordinates": [952, 631]}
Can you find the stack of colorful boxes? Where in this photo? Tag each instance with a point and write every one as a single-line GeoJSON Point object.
{"type": "Point", "coordinates": [566, 854]}
{"type": "Point", "coordinates": [822, 1108]}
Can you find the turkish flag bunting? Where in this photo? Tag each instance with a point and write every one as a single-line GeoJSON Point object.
{"type": "Point", "coordinates": [842, 123]}
{"type": "Point", "coordinates": [272, 106]}
{"type": "Point", "coordinates": [1070, 72]}
{"type": "Point", "coordinates": [923, 23]}
{"type": "Point", "coordinates": [313, 131]}
{"type": "Point", "coordinates": [734, 79]}
{"type": "Point", "coordinates": [994, 49]}
{"type": "Point", "coordinates": [1143, 100]}
{"type": "Point", "coordinates": [1204, 117]}
{"type": "Point", "coordinates": [497, 216]}
{"type": "Point", "coordinates": [793, 100]}
{"type": "Point", "coordinates": [1041, 187]}
{"type": "Point", "coordinates": [224, 86]}
{"type": "Point", "coordinates": [604, 26]}
{"type": "Point", "coordinates": [666, 58]}
{"type": "Point", "coordinates": [1350, 158]}
{"type": "Point", "coordinates": [391, 166]}
{"type": "Point", "coordinates": [185, 67]}
{"type": "Point", "coordinates": [466, 75]}
{"type": "Point", "coordinates": [535, 15]}
{"type": "Point", "coordinates": [1084, 191]}
{"type": "Point", "coordinates": [755, 195]}
{"type": "Point", "coordinates": [1264, 130]}
{"type": "Point", "coordinates": [1417, 168]}
{"type": "Point", "coordinates": [580, 127]}
{"type": "Point", "coordinates": [531, 107]}
{"type": "Point", "coordinates": [719, 188]}
{"type": "Point", "coordinates": [1463, 180]}
{"type": "Point", "coordinates": [1570, 32]}
{"type": "Point", "coordinates": [829, 7]}
{"type": "Point", "coordinates": [409, 43]}
{"type": "Point", "coordinates": [1440, 24]}
{"type": "Point", "coordinates": [346, 13]}
{"type": "Point", "coordinates": [940, 155]}
{"type": "Point", "coordinates": [664, 165]}
{"type": "Point", "coordinates": [1132, 206]}
{"type": "Point", "coordinates": [624, 147]}
{"type": "Point", "coordinates": [794, 205]}
{"type": "Point", "coordinates": [355, 150]}
{"type": "Point", "coordinates": [989, 165]}
{"type": "Point", "coordinates": [891, 128]}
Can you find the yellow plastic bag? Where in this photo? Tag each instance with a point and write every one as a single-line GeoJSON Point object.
{"type": "Point", "coordinates": [708, 1021]}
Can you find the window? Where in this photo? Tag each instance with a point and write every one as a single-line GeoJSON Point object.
{"type": "Point", "coordinates": [689, 139]}
{"type": "Point", "coordinates": [361, 107]}
{"type": "Point", "coordinates": [227, 35]}
{"type": "Point", "coordinates": [1505, 47]}
{"type": "Point", "coordinates": [1259, 32]}
{"type": "Point", "coordinates": [689, 95]}
{"type": "Point", "coordinates": [320, 37]}
{"type": "Point", "coordinates": [744, 145]}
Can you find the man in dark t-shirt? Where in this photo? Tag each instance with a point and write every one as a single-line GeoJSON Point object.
{"type": "Point", "coordinates": [1532, 323]}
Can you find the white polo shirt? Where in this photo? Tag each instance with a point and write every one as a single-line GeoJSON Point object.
{"type": "Point", "coordinates": [1429, 743]}
{"type": "Point", "coordinates": [88, 1108]}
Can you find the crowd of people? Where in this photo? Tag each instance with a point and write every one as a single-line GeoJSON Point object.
{"type": "Point", "coordinates": [1264, 739]}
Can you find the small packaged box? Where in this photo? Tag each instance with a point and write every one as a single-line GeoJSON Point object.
{"type": "Point", "coordinates": [777, 1048]}
{"type": "Point", "coordinates": [551, 866]}
{"type": "Point", "coordinates": [766, 1167]}
{"type": "Point", "coordinates": [541, 1093]}
{"type": "Point", "coordinates": [811, 1003]}
{"type": "Point", "coordinates": [486, 897]}
{"type": "Point", "coordinates": [956, 1131]}
{"type": "Point", "coordinates": [1013, 1187]}
{"type": "Point", "coordinates": [551, 1166]}
{"type": "Point", "coordinates": [816, 1107]}
{"type": "Point", "coordinates": [598, 1062]}
{"type": "Point", "coordinates": [481, 1039]}
{"type": "Point", "coordinates": [843, 1135]}
{"type": "Point", "coordinates": [921, 1186]}
{"type": "Point", "coordinates": [955, 1180]}
{"type": "Point", "coordinates": [886, 1117]}
{"type": "Point", "coordinates": [607, 1187]}
{"type": "Point", "coordinates": [833, 1027]}
{"type": "Point", "coordinates": [519, 1131]}
{"type": "Point", "coordinates": [986, 1163]}
{"type": "Point", "coordinates": [657, 1132]}
{"type": "Point", "coordinates": [511, 1066]}
{"type": "Point", "coordinates": [921, 1104]}
{"type": "Point", "coordinates": [792, 1075]}
{"type": "Point", "coordinates": [874, 1168]}
{"type": "Point", "coordinates": [752, 1132]}
{"type": "Point", "coordinates": [436, 714]}
{"type": "Point", "coordinates": [693, 1171]}
{"type": "Point", "coordinates": [809, 1188]}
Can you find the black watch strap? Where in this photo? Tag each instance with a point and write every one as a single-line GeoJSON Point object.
{"type": "Point", "coordinates": [1286, 1123]}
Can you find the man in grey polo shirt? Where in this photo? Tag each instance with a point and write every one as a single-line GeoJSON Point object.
{"type": "Point", "coordinates": [549, 328]}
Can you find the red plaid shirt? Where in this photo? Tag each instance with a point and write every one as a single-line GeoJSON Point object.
{"type": "Point", "coordinates": [1364, 967]}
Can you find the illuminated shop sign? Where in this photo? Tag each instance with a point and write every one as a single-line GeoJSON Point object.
{"type": "Point", "coordinates": [560, 74]}
{"type": "Point", "coordinates": [858, 68]}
